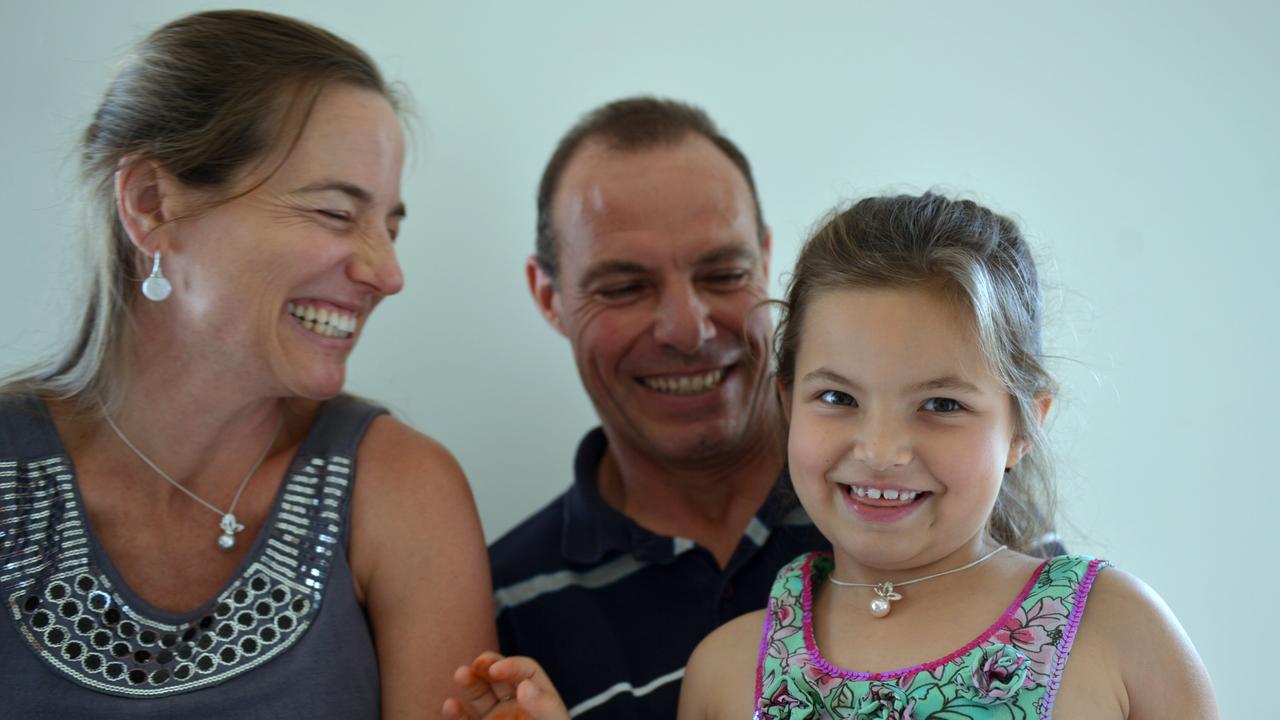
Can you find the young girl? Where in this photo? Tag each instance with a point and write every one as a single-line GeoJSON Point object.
{"type": "Point", "coordinates": [909, 367]}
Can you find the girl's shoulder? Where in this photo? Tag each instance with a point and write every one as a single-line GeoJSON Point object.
{"type": "Point", "coordinates": [1131, 643]}
{"type": "Point", "coordinates": [719, 677]}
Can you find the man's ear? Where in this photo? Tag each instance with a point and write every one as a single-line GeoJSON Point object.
{"type": "Point", "coordinates": [1043, 402]}
{"type": "Point", "coordinates": [145, 198]}
{"type": "Point", "coordinates": [784, 399]}
{"type": "Point", "coordinates": [545, 295]}
{"type": "Point", "coordinates": [766, 250]}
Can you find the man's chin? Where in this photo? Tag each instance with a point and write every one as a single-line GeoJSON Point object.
{"type": "Point", "coordinates": [698, 446]}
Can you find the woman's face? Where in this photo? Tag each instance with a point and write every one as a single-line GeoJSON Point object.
{"type": "Point", "coordinates": [275, 286]}
{"type": "Point", "coordinates": [899, 433]}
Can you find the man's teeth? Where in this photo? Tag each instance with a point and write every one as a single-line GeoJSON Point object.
{"type": "Point", "coordinates": [904, 496]}
{"type": "Point", "coordinates": [687, 384]}
{"type": "Point", "coordinates": [329, 322]}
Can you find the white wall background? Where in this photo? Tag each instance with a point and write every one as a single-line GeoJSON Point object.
{"type": "Point", "coordinates": [1137, 142]}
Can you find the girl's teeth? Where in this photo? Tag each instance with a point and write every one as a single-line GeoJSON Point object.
{"type": "Point", "coordinates": [904, 496]}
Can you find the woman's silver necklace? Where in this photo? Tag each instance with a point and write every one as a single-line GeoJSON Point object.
{"type": "Point", "coordinates": [228, 524]}
{"type": "Point", "coordinates": [882, 603]}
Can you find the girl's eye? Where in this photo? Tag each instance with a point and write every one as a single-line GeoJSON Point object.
{"type": "Point", "coordinates": [942, 405]}
{"type": "Point", "coordinates": [835, 397]}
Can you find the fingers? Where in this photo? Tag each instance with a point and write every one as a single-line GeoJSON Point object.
{"type": "Point", "coordinates": [534, 690]}
{"type": "Point", "coordinates": [501, 690]}
{"type": "Point", "coordinates": [456, 710]}
{"type": "Point", "coordinates": [498, 688]}
{"type": "Point", "coordinates": [475, 687]}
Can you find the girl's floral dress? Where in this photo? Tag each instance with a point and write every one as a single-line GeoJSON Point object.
{"type": "Point", "coordinates": [1011, 671]}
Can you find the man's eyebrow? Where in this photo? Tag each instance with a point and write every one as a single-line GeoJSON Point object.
{"type": "Point", "coordinates": [610, 267]}
{"type": "Point", "coordinates": [727, 253]}
{"type": "Point", "coordinates": [947, 382]}
{"type": "Point", "coordinates": [351, 190]}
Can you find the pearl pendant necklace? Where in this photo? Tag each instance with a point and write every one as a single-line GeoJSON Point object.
{"type": "Point", "coordinates": [230, 526]}
{"type": "Point", "coordinates": [228, 523]}
{"type": "Point", "coordinates": [886, 595]}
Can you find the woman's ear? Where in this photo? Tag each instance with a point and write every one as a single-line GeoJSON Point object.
{"type": "Point", "coordinates": [145, 197]}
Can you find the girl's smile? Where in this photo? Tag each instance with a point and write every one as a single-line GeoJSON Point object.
{"type": "Point", "coordinates": [882, 505]}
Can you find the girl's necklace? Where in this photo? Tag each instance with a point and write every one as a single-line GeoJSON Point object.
{"type": "Point", "coordinates": [885, 594]}
{"type": "Point", "coordinates": [228, 523]}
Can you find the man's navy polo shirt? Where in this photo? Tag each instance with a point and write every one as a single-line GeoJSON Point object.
{"type": "Point", "coordinates": [613, 611]}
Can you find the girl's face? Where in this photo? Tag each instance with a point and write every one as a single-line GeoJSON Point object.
{"type": "Point", "coordinates": [899, 432]}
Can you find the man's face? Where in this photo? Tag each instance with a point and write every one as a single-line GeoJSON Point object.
{"type": "Point", "coordinates": [661, 274]}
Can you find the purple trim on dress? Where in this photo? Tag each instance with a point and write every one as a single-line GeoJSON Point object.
{"type": "Point", "coordinates": [1069, 636]}
{"type": "Point", "coordinates": [811, 646]}
{"type": "Point", "coordinates": [764, 649]}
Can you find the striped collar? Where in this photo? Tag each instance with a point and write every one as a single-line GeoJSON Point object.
{"type": "Point", "coordinates": [594, 529]}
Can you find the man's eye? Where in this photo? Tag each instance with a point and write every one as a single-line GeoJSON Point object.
{"type": "Point", "coordinates": [342, 215]}
{"type": "Point", "coordinates": [835, 397]}
{"type": "Point", "coordinates": [619, 292]}
{"type": "Point", "coordinates": [942, 405]}
{"type": "Point", "coordinates": [728, 279]}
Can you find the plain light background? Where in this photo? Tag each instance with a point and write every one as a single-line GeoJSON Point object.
{"type": "Point", "coordinates": [1136, 142]}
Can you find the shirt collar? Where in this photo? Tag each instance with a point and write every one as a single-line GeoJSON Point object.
{"type": "Point", "coordinates": [594, 529]}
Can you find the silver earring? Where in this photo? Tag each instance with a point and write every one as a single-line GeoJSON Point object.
{"type": "Point", "coordinates": [156, 287]}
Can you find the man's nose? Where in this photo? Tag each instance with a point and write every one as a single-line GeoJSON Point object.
{"type": "Point", "coordinates": [684, 320]}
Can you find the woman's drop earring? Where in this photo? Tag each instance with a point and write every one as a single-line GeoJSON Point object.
{"type": "Point", "coordinates": [156, 287]}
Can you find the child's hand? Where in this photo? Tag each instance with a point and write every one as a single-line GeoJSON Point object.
{"type": "Point", "coordinates": [498, 688]}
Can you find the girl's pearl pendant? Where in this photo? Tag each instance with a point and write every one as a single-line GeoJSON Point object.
{"type": "Point", "coordinates": [882, 603]}
{"type": "Point", "coordinates": [229, 525]}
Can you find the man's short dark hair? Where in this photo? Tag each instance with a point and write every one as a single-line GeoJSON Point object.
{"type": "Point", "coordinates": [629, 124]}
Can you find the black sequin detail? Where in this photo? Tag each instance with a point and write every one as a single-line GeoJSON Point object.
{"type": "Point", "coordinates": [71, 615]}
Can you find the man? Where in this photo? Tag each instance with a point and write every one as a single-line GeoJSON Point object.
{"type": "Point", "coordinates": [652, 259]}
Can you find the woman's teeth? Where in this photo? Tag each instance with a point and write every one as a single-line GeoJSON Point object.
{"type": "Point", "coordinates": [870, 493]}
{"type": "Point", "coordinates": [686, 384]}
{"type": "Point", "coordinates": [328, 322]}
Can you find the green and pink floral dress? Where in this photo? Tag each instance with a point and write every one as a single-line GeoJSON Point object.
{"type": "Point", "coordinates": [1011, 671]}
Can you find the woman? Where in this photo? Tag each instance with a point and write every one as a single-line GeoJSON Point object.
{"type": "Point", "coordinates": [194, 522]}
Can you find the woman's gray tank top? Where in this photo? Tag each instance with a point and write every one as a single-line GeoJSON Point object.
{"type": "Point", "coordinates": [285, 638]}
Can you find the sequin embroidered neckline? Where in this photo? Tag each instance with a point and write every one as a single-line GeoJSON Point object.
{"type": "Point", "coordinates": [74, 611]}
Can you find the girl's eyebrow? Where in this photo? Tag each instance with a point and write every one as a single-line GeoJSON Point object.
{"type": "Point", "coordinates": [829, 376]}
{"type": "Point", "coordinates": [946, 382]}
